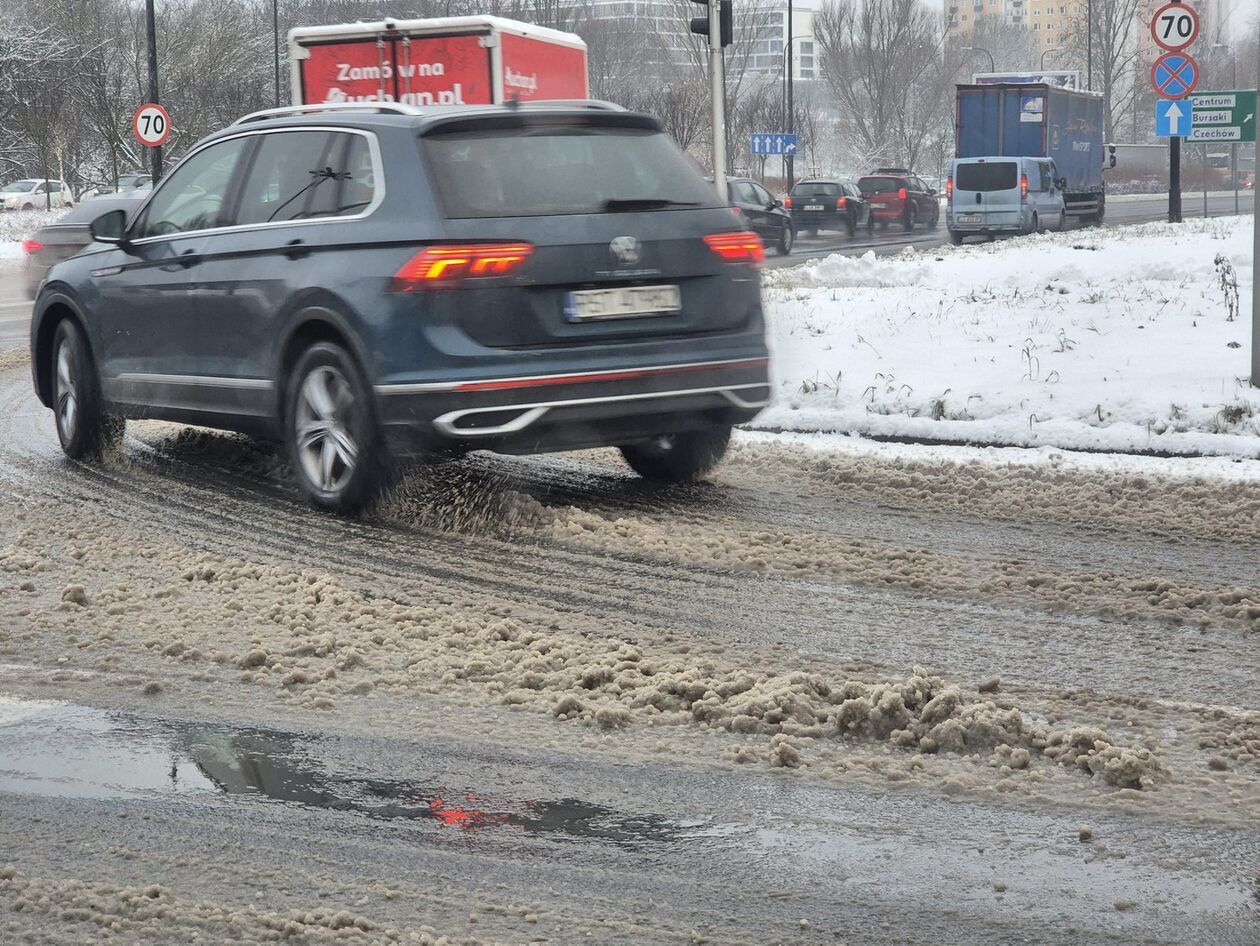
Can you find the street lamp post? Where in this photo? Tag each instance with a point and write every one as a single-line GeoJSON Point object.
{"type": "Point", "coordinates": [1233, 146]}
{"type": "Point", "coordinates": [1089, 45]}
{"type": "Point", "coordinates": [1043, 57]}
{"type": "Point", "coordinates": [789, 110]}
{"type": "Point", "coordinates": [275, 35]}
{"type": "Point", "coordinates": [150, 29]}
{"type": "Point", "coordinates": [981, 49]}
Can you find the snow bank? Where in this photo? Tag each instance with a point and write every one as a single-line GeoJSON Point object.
{"type": "Point", "coordinates": [14, 225]}
{"type": "Point", "coordinates": [1118, 339]}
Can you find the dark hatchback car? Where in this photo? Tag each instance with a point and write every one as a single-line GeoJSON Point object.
{"type": "Point", "coordinates": [374, 281]}
{"type": "Point", "coordinates": [68, 235]}
{"type": "Point", "coordinates": [767, 217]}
{"type": "Point", "coordinates": [829, 205]}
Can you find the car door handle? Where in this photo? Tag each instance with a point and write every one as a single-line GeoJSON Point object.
{"type": "Point", "coordinates": [296, 249]}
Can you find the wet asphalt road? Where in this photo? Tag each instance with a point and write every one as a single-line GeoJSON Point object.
{"type": "Point", "coordinates": [460, 819]}
{"type": "Point", "coordinates": [15, 307]}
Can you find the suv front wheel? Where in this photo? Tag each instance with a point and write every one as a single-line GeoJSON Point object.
{"type": "Point", "coordinates": [330, 430]}
{"type": "Point", "coordinates": [83, 427]}
{"type": "Point", "coordinates": [678, 458]}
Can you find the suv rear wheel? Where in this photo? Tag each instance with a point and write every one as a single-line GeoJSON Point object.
{"type": "Point", "coordinates": [911, 218]}
{"type": "Point", "coordinates": [331, 432]}
{"type": "Point", "coordinates": [678, 458]}
{"type": "Point", "coordinates": [83, 427]}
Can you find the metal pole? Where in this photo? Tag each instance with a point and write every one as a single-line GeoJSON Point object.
{"type": "Point", "coordinates": [1255, 282]}
{"type": "Point", "coordinates": [1205, 178]}
{"type": "Point", "coordinates": [1174, 179]}
{"type": "Point", "coordinates": [275, 34]}
{"type": "Point", "coordinates": [1233, 147]}
{"type": "Point", "coordinates": [150, 28]}
{"type": "Point", "coordinates": [717, 84]}
{"type": "Point", "coordinates": [791, 115]}
{"type": "Point", "coordinates": [1089, 46]}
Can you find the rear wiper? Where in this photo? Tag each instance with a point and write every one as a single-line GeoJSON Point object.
{"type": "Point", "coordinates": [616, 205]}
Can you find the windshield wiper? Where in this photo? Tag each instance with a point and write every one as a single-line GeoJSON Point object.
{"type": "Point", "coordinates": [618, 205]}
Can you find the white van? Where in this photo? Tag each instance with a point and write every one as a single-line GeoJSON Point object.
{"type": "Point", "coordinates": [988, 196]}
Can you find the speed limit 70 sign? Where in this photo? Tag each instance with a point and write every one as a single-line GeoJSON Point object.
{"type": "Point", "coordinates": [1174, 26]}
{"type": "Point", "coordinates": [152, 125]}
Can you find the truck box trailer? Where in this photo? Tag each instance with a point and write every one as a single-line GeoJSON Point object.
{"type": "Point", "coordinates": [465, 60]}
{"type": "Point", "coordinates": [1035, 120]}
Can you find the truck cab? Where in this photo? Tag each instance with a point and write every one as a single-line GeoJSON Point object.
{"type": "Point", "coordinates": [994, 195]}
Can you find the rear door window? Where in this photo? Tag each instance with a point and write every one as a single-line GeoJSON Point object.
{"type": "Point", "coordinates": [761, 195]}
{"type": "Point", "coordinates": [989, 176]}
{"type": "Point", "coordinates": [301, 175]}
{"type": "Point", "coordinates": [881, 185]}
{"type": "Point", "coordinates": [816, 189]}
{"type": "Point", "coordinates": [549, 169]}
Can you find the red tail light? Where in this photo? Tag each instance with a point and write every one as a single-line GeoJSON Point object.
{"type": "Point", "coordinates": [949, 187]}
{"type": "Point", "coordinates": [841, 203]}
{"type": "Point", "coordinates": [787, 203]}
{"type": "Point", "coordinates": [901, 194]}
{"type": "Point", "coordinates": [30, 246]}
{"type": "Point", "coordinates": [743, 246]}
{"type": "Point", "coordinates": [1023, 187]}
{"type": "Point", "coordinates": [443, 265]}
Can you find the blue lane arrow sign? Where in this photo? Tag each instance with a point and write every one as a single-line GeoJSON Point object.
{"type": "Point", "coordinates": [1172, 119]}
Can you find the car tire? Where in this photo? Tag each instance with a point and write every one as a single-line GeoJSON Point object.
{"type": "Point", "coordinates": [28, 206]}
{"type": "Point", "coordinates": [850, 226]}
{"type": "Point", "coordinates": [936, 219]}
{"type": "Point", "coordinates": [787, 238]}
{"type": "Point", "coordinates": [1034, 225]}
{"type": "Point", "coordinates": [678, 458]}
{"type": "Point", "coordinates": [870, 222]}
{"type": "Point", "coordinates": [83, 426]}
{"type": "Point", "coordinates": [330, 431]}
{"type": "Point", "coordinates": [956, 238]}
{"type": "Point", "coordinates": [910, 220]}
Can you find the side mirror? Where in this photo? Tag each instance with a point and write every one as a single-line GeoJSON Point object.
{"type": "Point", "coordinates": [110, 228]}
{"type": "Point", "coordinates": [931, 191]}
{"type": "Point", "coordinates": [1061, 183]}
{"type": "Point", "coordinates": [775, 203]}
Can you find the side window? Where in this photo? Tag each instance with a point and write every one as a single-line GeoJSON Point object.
{"type": "Point", "coordinates": [41, 187]}
{"type": "Point", "coordinates": [55, 187]}
{"type": "Point", "coordinates": [762, 195]}
{"type": "Point", "coordinates": [299, 175]}
{"type": "Point", "coordinates": [744, 193]}
{"type": "Point", "coordinates": [192, 198]}
{"type": "Point", "coordinates": [1047, 176]}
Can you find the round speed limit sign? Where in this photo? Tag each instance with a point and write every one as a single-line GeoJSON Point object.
{"type": "Point", "coordinates": [1174, 26]}
{"type": "Point", "coordinates": [152, 125]}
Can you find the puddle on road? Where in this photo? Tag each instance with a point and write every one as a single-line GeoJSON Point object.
{"type": "Point", "coordinates": [69, 751]}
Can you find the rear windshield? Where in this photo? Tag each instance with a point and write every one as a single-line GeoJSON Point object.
{"type": "Point", "coordinates": [881, 185]}
{"type": "Point", "coordinates": [816, 189]}
{"type": "Point", "coordinates": [542, 170]}
{"type": "Point", "coordinates": [990, 176]}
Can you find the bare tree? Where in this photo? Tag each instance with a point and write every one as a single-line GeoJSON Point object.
{"type": "Point", "coordinates": [1115, 47]}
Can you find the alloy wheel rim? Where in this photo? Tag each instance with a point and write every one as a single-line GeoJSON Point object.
{"type": "Point", "coordinates": [67, 392]}
{"type": "Point", "coordinates": [327, 451]}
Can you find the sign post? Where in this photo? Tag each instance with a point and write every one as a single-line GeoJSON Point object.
{"type": "Point", "coordinates": [1255, 282]}
{"type": "Point", "coordinates": [1174, 26]}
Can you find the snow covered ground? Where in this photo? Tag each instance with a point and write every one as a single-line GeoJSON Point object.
{"type": "Point", "coordinates": [15, 225]}
{"type": "Point", "coordinates": [1119, 339]}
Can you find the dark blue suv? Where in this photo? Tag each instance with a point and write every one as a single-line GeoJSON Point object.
{"type": "Point", "coordinates": [379, 281]}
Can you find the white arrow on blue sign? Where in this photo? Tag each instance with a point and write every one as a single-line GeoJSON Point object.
{"type": "Point", "coordinates": [767, 143]}
{"type": "Point", "coordinates": [1172, 118]}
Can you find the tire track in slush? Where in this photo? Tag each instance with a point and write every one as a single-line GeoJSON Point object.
{"type": "Point", "coordinates": [234, 514]}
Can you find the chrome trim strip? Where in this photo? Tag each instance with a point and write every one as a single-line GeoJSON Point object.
{"type": "Point", "coordinates": [532, 412]}
{"type": "Point", "coordinates": [422, 387]}
{"type": "Point", "coordinates": [378, 195]}
{"type": "Point", "coordinates": [195, 380]}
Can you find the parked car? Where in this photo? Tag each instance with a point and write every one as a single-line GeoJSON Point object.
{"type": "Point", "coordinates": [542, 276]}
{"type": "Point", "coordinates": [67, 236]}
{"type": "Point", "coordinates": [764, 213]}
{"type": "Point", "coordinates": [898, 196]}
{"type": "Point", "coordinates": [992, 196]}
{"type": "Point", "coordinates": [829, 204]}
{"type": "Point", "coordinates": [33, 194]}
{"type": "Point", "coordinates": [138, 180]}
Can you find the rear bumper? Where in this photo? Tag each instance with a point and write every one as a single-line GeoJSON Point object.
{"type": "Point", "coordinates": [537, 413]}
{"type": "Point", "coordinates": [819, 220]}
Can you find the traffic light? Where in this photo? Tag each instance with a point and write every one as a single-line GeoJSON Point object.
{"type": "Point", "coordinates": [726, 16]}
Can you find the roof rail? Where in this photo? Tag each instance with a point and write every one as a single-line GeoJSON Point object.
{"type": "Point", "coordinates": [397, 108]}
{"type": "Point", "coordinates": [599, 104]}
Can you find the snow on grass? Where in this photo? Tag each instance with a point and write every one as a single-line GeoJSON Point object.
{"type": "Point", "coordinates": [1119, 339]}
{"type": "Point", "coordinates": [16, 224]}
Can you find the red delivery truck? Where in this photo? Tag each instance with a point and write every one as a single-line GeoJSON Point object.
{"type": "Point", "coordinates": [462, 60]}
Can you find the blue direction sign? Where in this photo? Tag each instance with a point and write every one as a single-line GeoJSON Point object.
{"type": "Point", "coordinates": [773, 143]}
{"type": "Point", "coordinates": [1172, 118]}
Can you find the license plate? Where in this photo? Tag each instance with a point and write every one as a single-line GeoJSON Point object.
{"type": "Point", "coordinates": [592, 305]}
{"type": "Point", "coordinates": [813, 206]}
{"type": "Point", "coordinates": [968, 218]}
{"type": "Point", "coordinates": [878, 203]}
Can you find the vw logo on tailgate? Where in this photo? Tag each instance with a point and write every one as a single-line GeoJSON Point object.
{"type": "Point", "coordinates": [626, 250]}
